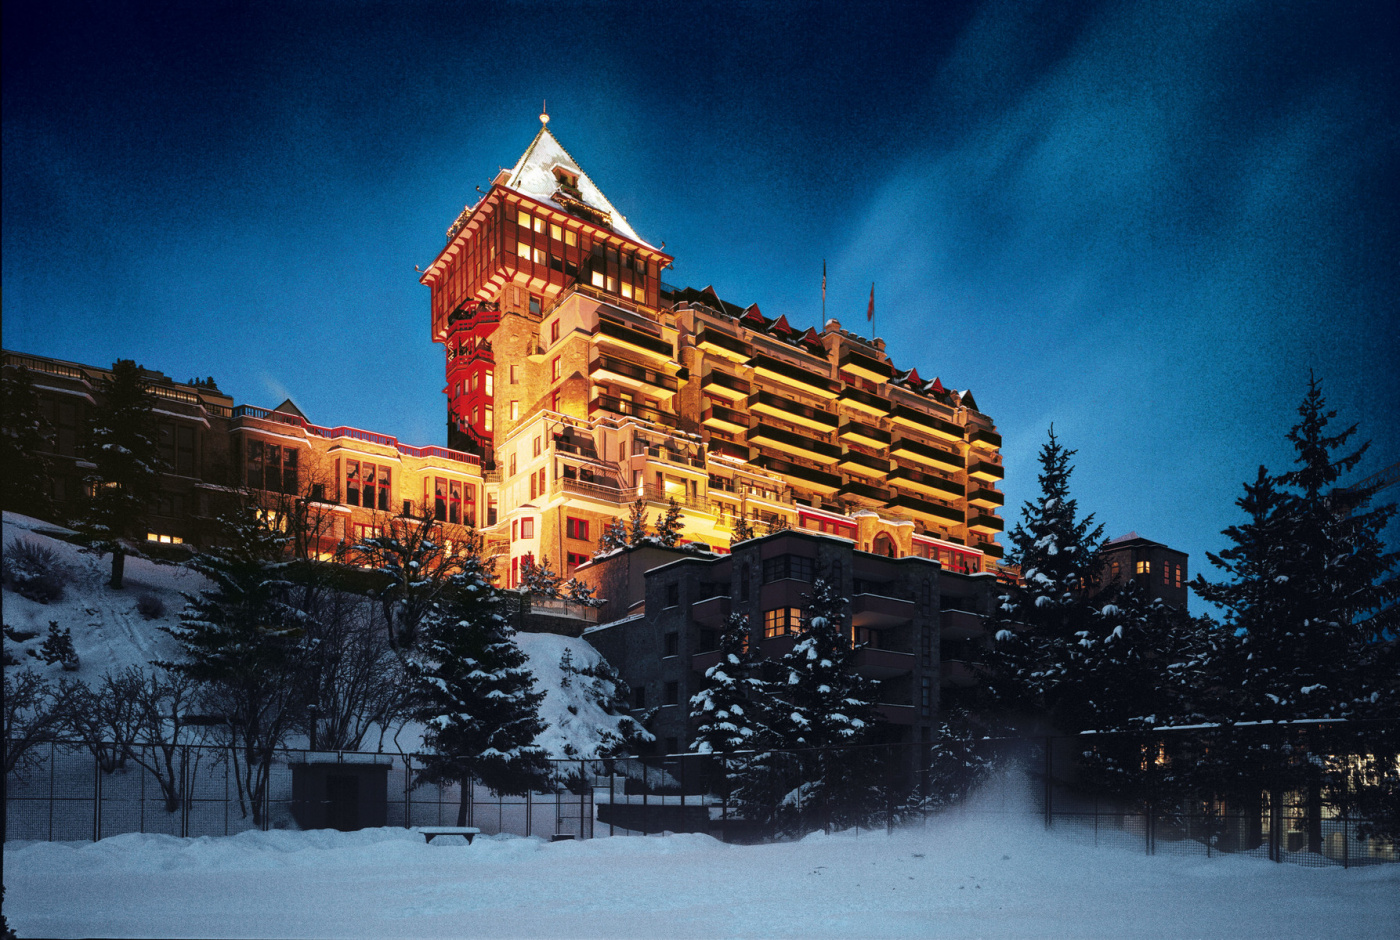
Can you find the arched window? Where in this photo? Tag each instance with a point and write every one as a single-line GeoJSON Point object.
{"type": "Point", "coordinates": [884, 545]}
{"type": "Point", "coordinates": [744, 583]}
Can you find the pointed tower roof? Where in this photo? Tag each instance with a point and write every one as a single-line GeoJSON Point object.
{"type": "Point", "coordinates": [780, 325]}
{"type": "Point", "coordinates": [534, 175]}
{"type": "Point", "coordinates": [289, 407]}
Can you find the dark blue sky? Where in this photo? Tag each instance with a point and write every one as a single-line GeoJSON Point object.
{"type": "Point", "coordinates": [1144, 222]}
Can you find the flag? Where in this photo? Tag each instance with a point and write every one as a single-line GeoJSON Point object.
{"type": "Point", "coordinates": [870, 311]}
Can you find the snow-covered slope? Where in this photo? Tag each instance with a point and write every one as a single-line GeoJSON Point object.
{"type": "Point", "coordinates": [573, 710]}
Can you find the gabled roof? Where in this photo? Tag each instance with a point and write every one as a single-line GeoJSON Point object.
{"type": "Point", "coordinates": [288, 407]}
{"type": "Point", "coordinates": [533, 176]}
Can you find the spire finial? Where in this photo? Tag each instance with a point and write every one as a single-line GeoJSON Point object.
{"type": "Point", "coordinates": [544, 111]}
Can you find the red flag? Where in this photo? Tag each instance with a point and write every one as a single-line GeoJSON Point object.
{"type": "Point", "coordinates": [870, 311]}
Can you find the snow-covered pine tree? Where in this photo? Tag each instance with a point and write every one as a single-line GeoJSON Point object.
{"type": "Point", "coordinates": [479, 704]}
{"type": "Point", "coordinates": [614, 537]}
{"type": "Point", "coordinates": [727, 712]}
{"type": "Point", "coordinates": [1036, 664]}
{"type": "Point", "coordinates": [960, 758]}
{"type": "Point", "coordinates": [577, 592]}
{"type": "Point", "coordinates": [58, 647]}
{"type": "Point", "coordinates": [669, 524]}
{"type": "Point", "coordinates": [742, 530]}
{"type": "Point", "coordinates": [243, 642]}
{"type": "Point", "coordinates": [538, 578]}
{"type": "Point", "coordinates": [637, 530]}
{"type": "Point", "coordinates": [25, 436]}
{"type": "Point", "coordinates": [414, 566]}
{"type": "Point", "coordinates": [124, 449]}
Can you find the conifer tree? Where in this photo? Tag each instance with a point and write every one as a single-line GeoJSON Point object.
{"type": "Point", "coordinates": [577, 592]}
{"type": "Point", "coordinates": [727, 712]}
{"type": "Point", "coordinates": [614, 536]}
{"type": "Point", "coordinates": [244, 643]}
{"type": "Point", "coordinates": [742, 530]}
{"type": "Point", "coordinates": [414, 566]}
{"type": "Point", "coordinates": [123, 446]}
{"type": "Point", "coordinates": [1036, 665]}
{"type": "Point", "coordinates": [637, 531]}
{"type": "Point", "coordinates": [539, 579]}
{"type": "Point", "coordinates": [478, 698]}
{"type": "Point", "coordinates": [25, 437]}
{"type": "Point", "coordinates": [669, 524]}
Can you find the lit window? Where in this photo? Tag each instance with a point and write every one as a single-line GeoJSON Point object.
{"type": "Point", "coordinates": [1179, 576]}
{"type": "Point", "coordinates": [539, 225]}
{"type": "Point", "coordinates": [1144, 567]}
{"type": "Point", "coordinates": [570, 237]}
{"type": "Point", "coordinates": [555, 232]}
{"type": "Point", "coordinates": [490, 383]}
{"type": "Point", "coordinates": [524, 219]}
{"type": "Point", "coordinates": [523, 250]}
{"type": "Point", "coordinates": [164, 539]}
{"type": "Point", "coordinates": [486, 420]}
{"type": "Point", "coordinates": [556, 369]}
{"type": "Point", "coordinates": [626, 290]}
{"type": "Point", "coordinates": [554, 332]}
{"type": "Point", "coordinates": [514, 375]}
{"type": "Point", "coordinates": [780, 622]}
{"type": "Point", "coordinates": [598, 279]}
{"type": "Point", "coordinates": [514, 410]}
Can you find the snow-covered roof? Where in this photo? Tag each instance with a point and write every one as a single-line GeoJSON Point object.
{"type": "Point", "coordinates": [533, 176]}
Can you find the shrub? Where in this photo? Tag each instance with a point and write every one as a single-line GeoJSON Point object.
{"type": "Point", "coordinates": [33, 571]}
{"type": "Point", "coordinates": [150, 606]}
{"type": "Point", "coordinates": [58, 647]}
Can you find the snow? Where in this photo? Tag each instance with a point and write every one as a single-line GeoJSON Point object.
{"type": "Point", "coordinates": [988, 874]}
{"type": "Point", "coordinates": [575, 720]}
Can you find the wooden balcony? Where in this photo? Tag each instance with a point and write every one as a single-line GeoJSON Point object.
{"type": "Point", "coordinates": [926, 483]}
{"type": "Point", "coordinates": [864, 402]}
{"type": "Point", "coordinates": [864, 434]}
{"type": "Point", "coordinates": [724, 385]}
{"type": "Point", "coordinates": [794, 443]}
{"type": "Point", "coordinates": [926, 423]}
{"type": "Point", "coordinates": [711, 611]}
{"type": "Point", "coordinates": [721, 344]}
{"type": "Point", "coordinates": [776, 406]}
{"type": "Point", "coordinates": [919, 451]}
{"type": "Point", "coordinates": [986, 471]}
{"type": "Point", "coordinates": [882, 664]}
{"type": "Point", "coordinates": [867, 367]}
{"type": "Point", "coordinates": [991, 549]}
{"type": "Point", "coordinates": [726, 419]}
{"type": "Point", "coordinates": [875, 468]}
{"type": "Point", "coordinates": [806, 380]}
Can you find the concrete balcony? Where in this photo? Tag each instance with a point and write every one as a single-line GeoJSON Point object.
{"type": "Point", "coordinates": [806, 477]}
{"type": "Point", "coordinates": [983, 439]}
{"type": "Point", "coordinates": [925, 483]}
{"type": "Point", "coordinates": [863, 464]}
{"type": "Point", "coordinates": [991, 549]}
{"type": "Point", "coordinates": [986, 471]}
{"type": "Point", "coordinates": [926, 423]}
{"type": "Point", "coordinates": [723, 345]}
{"type": "Point", "coordinates": [776, 406]}
{"type": "Point", "coordinates": [864, 492]}
{"type": "Point", "coordinates": [957, 674]}
{"type": "Point", "coordinates": [726, 419]}
{"type": "Point", "coordinates": [627, 337]}
{"type": "Point", "coordinates": [878, 611]}
{"type": "Point", "coordinates": [729, 449]}
{"type": "Point", "coordinates": [959, 625]}
{"type": "Point", "coordinates": [724, 385]}
{"type": "Point", "coordinates": [628, 374]}
{"type": "Point", "coordinates": [883, 664]}
{"type": "Point", "coordinates": [864, 402]}
{"type": "Point", "coordinates": [926, 453]}
{"type": "Point", "coordinates": [938, 512]}
{"type": "Point", "coordinates": [797, 444]}
{"type": "Point", "coordinates": [711, 611]}
{"type": "Point", "coordinates": [986, 498]}
{"type": "Point", "coordinates": [631, 409]}
{"type": "Point", "coordinates": [867, 367]}
{"type": "Point", "coordinates": [854, 432]}
{"type": "Point", "coordinates": [898, 714]}
{"type": "Point", "coordinates": [806, 380]}
{"type": "Point", "coordinates": [986, 524]}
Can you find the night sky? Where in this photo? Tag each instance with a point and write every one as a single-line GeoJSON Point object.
{"type": "Point", "coordinates": [1144, 222]}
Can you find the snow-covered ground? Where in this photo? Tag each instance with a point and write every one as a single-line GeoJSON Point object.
{"type": "Point", "coordinates": [964, 876]}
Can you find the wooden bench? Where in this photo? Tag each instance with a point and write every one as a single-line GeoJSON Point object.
{"type": "Point", "coordinates": [429, 832]}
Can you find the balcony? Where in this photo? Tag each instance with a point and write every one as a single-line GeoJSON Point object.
{"type": "Point", "coordinates": [867, 436]}
{"type": "Point", "coordinates": [986, 471]}
{"type": "Point", "coordinates": [897, 714]}
{"type": "Point", "coordinates": [957, 674]}
{"type": "Point", "coordinates": [867, 367]}
{"type": "Point", "coordinates": [776, 406]}
{"type": "Point", "coordinates": [926, 453]}
{"type": "Point", "coordinates": [629, 338]}
{"type": "Point", "coordinates": [864, 464]}
{"type": "Point", "coordinates": [711, 612]}
{"type": "Point", "coordinates": [986, 523]}
{"type": "Point", "coordinates": [726, 419]}
{"type": "Point", "coordinates": [798, 444]}
{"type": "Point", "coordinates": [723, 385]}
{"type": "Point", "coordinates": [629, 374]}
{"type": "Point", "coordinates": [864, 491]}
{"type": "Point", "coordinates": [632, 409]}
{"type": "Point", "coordinates": [960, 625]}
{"type": "Point", "coordinates": [879, 611]}
{"type": "Point", "coordinates": [926, 423]}
{"type": "Point", "coordinates": [730, 449]}
{"type": "Point", "coordinates": [984, 439]}
{"type": "Point", "coordinates": [991, 549]}
{"type": "Point", "coordinates": [925, 483]}
{"type": "Point", "coordinates": [808, 381]}
{"type": "Point", "coordinates": [986, 498]}
{"type": "Point", "coordinates": [807, 477]}
{"type": "Point", "coordinates": [720, 344]}
{"type": "Point", "coordinates": [882, 664]}
{"type": "Point", "coordinates": [864, 402]}
{"type": "Point", "coordinates": [937, 511]}
{"type": "Point", "coordinates": [604, 494]}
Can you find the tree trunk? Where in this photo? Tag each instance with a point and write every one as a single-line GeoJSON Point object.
{"type": "Point", "coordinates": [464, 802]}
{"type": "Point", "coordinates": [1314, 817]}
{"type": "Point", "coordinates": [118, 568]}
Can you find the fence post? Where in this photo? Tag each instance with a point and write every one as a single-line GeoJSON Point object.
{"type": "Point", "coordinates": [186, 786]}
{"type": "Point", "coordinates": [612, 802]}
{"type": "Point", "coordinates": [407, 793]}
{"type": "Point", "coordinates": [529, 811]}
{"type": "Point", "coordinates": [1049, 811]}
{"type": "Point", "coordinates": [96, 799]}
{"type": "Point", "coordinates": [52, 757]}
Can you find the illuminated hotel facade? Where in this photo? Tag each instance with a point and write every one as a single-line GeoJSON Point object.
{"type": "Point", "coordinates": [583, 382]}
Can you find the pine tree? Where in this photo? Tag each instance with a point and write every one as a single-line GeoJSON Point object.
{"type": "Point", "coordinates": [123, 446]}
{"type": "Point", "coordinates": [414, 566]}
{"type": "Point", "coordinates": [742, 530]}
{"type": "Point", "coordinates": [727, 711]}
{"type": "Point", "coordinates": [244, 643]}
{"type": "Point", "coordinates": [479, 705]}
{"type": "Point", "coordinates": [539, 579]}
{"type": "Point", "coordinates": [577, 592]}
{"type": "Point", "coordinates": [1037, 664]}
{"type": "Point", "coordinates": [58, 647]}
{"type": "Point", "coordinates": [25, 437]}
{"type": "Point", "coordinates": [669, 524]}
{"type": "Point", "coordinates": [614, 537]}
{"type": "Point", "coordinates": [637, 523]}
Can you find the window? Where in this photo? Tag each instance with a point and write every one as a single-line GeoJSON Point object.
{"type": "Point", "coordinates": [514, 375]}
{"type": "Point", "coordinates": [536, 305]}
{"type": "Point", "coordinates": [514, 413]}
{"type": "Point", "coordinates": [364, 530]}
{"type": "Point", "coordinates": [673, 693]}
{"type": "Point", "coordinates": [570, 237]}
{"type": "Point", "coordinates": [536, 447]}
{"type": "Point", "coordinates": [440, 499]}
{"type": "Point", "coordinates": [527, 527]}
{"type": "Point", "coordinates": [490, 383]}
{"type": "Point", "coordinates": [524, 219]}
{"type": "Point", "coordinates": [673, 595]}
{"type": "Point", "coordinates": [1179, 575]}
{"type": "Point", "coordinates": [454, 502]}
{"type": "Point", "coordinates": [514, 529]}
{"type": "Point", "coordinates": [554, 332]}
{"type": "Point", "coordinates": [1167, 575]}
{"type": "Point", "coordinates": [1144, 567]}
{"type": "Point", "coordinates": [574, 560]}
{"type": "Point", "coordinates": [533, 478]}
{"type": "Point", "coordinates": [787, 566]}
{"type": "Point", "coordinates": [555, 232]}
{"type": "Point", "coordinates": [671, 644]}
{"type": "Point", "coordinates": [639, 697]}
{"type": "Point", "coordinates": [576, 528]}
{"type": "Point", "coordinates": [556, 369]}
{"type": "Point", "coordinates": [554, 400]}
{"type": "Point", "coordinates": [512, 464]}
{"type": "Point", "coordinates": [542, 470]}
{"type": "Point", "coordinates": [927, 648]}
{"type": "Point", "coordinates": [269, 466]}
{"type": "Point", "coordinates": [164, 539]}
{"type": "Point", "coordinates": [487, 419]}
{"type": "Point", "coordinates": [780, 622]}
{"type": "Point", "coordinates": [492, 510]}
{"type": "Point", "coordinates": [352, 482]}
{"type": "Point", "coordinates": [926, 696]}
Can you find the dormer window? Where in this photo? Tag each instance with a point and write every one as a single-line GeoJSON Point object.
{"type": "Point", "coordinates": [567, 179]}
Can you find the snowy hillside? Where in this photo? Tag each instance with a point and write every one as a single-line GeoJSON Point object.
{"type": "Point", "coordinates": [110, 633]}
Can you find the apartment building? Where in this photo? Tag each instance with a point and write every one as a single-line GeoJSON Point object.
{"type": "Point", "coordinates": [1160, 569]}
{"type": "Point", "coordinates": [348, 481]}
{"type": "Point", "coordinates": [584, 382]}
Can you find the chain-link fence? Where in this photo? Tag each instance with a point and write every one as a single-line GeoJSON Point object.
{"type": "Point", "coordinates": [1313, 801]}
